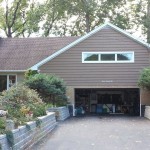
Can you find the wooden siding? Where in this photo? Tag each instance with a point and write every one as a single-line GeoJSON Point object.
{"type": "Point", "coordinates": [69, 66]}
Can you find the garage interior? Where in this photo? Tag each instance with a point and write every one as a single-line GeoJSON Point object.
{"type": "Point", "coordinates": [108, 101]}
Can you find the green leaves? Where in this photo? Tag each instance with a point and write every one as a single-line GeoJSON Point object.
{"type": "Point", "coordinates": [144, 80]}
{"type": "Point", "coordinates": [20, 102]}
{"type": "Point", "coordinates": [48, 86]}
{"type": "Point", "coordinates": [19, 18]}
{"type": "Point", "coordinates": [23, 18]}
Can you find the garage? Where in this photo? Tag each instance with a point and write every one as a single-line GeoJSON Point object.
{"type": "Point", "coordinates": [124, 101]}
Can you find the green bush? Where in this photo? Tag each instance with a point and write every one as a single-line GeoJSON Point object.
{"type": "Point", "coordinates": [10, 138]}
{"type": "Point", "coordinates": [144, 80]}
{"type": "Point", "coordinates": [21, 101]}
{"type": "Point", "coordinates": [2, 125]}
{"type": "Point", "coordinates": [49, 87]}
{"type": "Point", "coordinates": [39, 110]}
{"type": "Point", "coordinates": [30, 73]}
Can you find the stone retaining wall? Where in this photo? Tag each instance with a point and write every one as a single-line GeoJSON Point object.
{"type": "Point", "coordinates": [147, 112]}
{"type": "Point", "coordinates": [25, 136]}
{"type": "Point", "coordinates": [62, 113]}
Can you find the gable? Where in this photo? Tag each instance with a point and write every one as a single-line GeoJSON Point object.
{"type": "Point", "coordinates": [92, 33]}
{"type": "Point", "coordinates": [69, 64]}
{"type": "Point", "coordinates": [109, 37]}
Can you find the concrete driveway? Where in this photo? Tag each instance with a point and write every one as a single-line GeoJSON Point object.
{"type": "Point", "coordinates": [99, 133]}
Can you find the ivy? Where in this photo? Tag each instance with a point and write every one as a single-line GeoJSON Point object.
{"type": "Point", "coordinates": [38, 123]}
{"type": "Point", "coordinates": [10, 138]}
{"type": "Point", "coordinates": [0, 146]}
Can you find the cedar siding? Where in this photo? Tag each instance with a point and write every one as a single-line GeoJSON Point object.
{"type": "Point", "coordinates": [69, 66]}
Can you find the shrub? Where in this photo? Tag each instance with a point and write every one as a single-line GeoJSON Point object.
{"type": "Point", "coordinates": [39, 110]}
{"type": "Point", "coordinates": [49, 87]}
{"type": "Point", "coordinates": [20, 101]}
{"type": "Point", "coordinates": [2, 125]}
{"type": "Point", "coordinates": [10, 138]}
{"type": "Point", "coordinates": [30, 73]}
{"type": "Point", "coordinates": [144, 80]}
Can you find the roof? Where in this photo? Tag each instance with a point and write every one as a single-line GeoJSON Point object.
{"type": "Point", "coordinates": [19, 54]}
{"type": "Point", "coordinates": [107, 24]}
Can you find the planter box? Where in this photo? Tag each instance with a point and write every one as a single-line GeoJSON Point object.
{"type": "Point", "coordinates": [26, 136]}
{"type": "Point", "coordinates": [62, 113]}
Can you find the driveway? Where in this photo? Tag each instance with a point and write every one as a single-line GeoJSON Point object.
{"type": "Point", "coordinates": [99, 133]}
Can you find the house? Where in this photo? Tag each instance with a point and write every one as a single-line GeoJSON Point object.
{"type": "Point", "coordinates": [101, 69]}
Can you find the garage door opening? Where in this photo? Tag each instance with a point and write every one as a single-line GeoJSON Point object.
{"type": "Point", "coordinates": [108, 101]}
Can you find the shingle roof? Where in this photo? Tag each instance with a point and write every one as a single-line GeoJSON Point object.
{"type": "Point", "coordinates": [23, 53]}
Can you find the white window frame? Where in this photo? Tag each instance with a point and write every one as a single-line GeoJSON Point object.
{"type": "Point", "coordinates": [115, 61]}
{"type": "Point", "coordinates": [7, 75]}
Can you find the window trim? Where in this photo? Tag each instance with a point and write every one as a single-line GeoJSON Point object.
{"type": "Point", "coordinates": [7, 75]}
{"type": "Point", "coordinates": [116, 61]}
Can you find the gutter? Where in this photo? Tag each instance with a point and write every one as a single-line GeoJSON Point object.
{"type": "Point", "coordinates": [12, 71]}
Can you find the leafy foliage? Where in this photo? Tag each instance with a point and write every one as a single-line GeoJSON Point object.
{"type": "Point", "coordinates": [2, 125]}
{"type": "Point", "coordinates": [49, 87]}
{"type": "Point", "coordinates": [21, 101]}
{"type": "Point", "coordinates": [71, 17]}
{"type": "Point", "coordinates": [10, 138]}
{"type": "Point", "coordinates": [0, 146]}
{"type": "Point", "coordinates": [30, 73]}
{"type": "Point", "coordinates": [144, 80]}
{"type": "Point", "coordinates": [19, 17]}
{"type": "Point", "coordinates": [38, 123]}
{"type": "Point", "coordinates": [39, 110]}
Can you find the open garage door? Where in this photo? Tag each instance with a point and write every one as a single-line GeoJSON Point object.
{"type": "Point", "coordinates": [108, 101]}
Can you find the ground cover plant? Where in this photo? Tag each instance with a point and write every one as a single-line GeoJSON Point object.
{"type": "Point", "coordinates": [22, 103]}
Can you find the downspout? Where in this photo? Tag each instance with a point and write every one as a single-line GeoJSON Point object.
{"type": "Point", "coordinates": [140, 104]}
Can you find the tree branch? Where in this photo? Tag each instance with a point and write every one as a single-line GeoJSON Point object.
{"type": "Point", "coordinates": [6, 15]}
{"type": "Point", "coordinates": [19, 27]}
{"type": "Point", "coordinates": [15, 13]}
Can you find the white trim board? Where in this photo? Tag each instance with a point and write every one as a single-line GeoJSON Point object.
{"type": "Point", "coordinates": [36, 66]}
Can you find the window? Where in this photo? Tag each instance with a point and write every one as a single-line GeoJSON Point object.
{"type": "Point", "coordinates": [6, 81]}
{"type": "Point", "coordinates": [108, 57]}
{"type": "Point", "coordinates": [91, 57]}
{"type": "Point", "coordinates": [124, 57]}
{"type": "Point", "coordinates": [3, 83]}
{"type": "Point", "coordinates": [12, 80]}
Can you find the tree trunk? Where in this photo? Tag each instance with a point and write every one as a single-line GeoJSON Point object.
{"type": "Point", "coordinates": [9, 34]}
{"type": "Point", "coordinates": [87, 18]}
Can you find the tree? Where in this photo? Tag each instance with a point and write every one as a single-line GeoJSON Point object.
{"type": "Point", "coordinates": [19, 18]}
{"type": "Point", "coordinates": [144, 80]}
{"type": "Point", "coordinates": [91, 13]}
{"type": "Point", "coordinates": [147, 22]}
{"type": "Point", "coordinates": [53, 12]}
{"type": "Point", "coordinates": [23, 18]}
